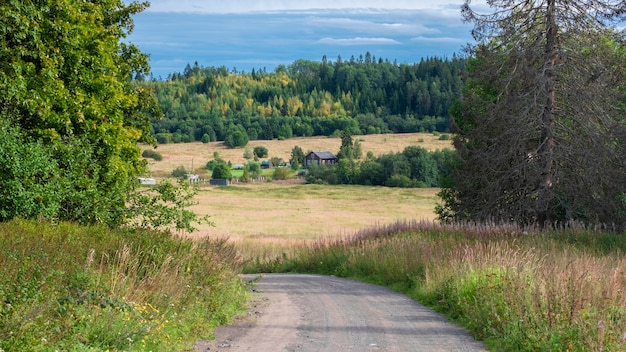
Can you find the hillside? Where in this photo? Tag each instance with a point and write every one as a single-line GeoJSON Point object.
{"type": "Point", "coordinates": [306, 98]}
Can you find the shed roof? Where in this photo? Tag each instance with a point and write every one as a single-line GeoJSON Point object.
{"type": "Point", "coordinates": [324, 155]}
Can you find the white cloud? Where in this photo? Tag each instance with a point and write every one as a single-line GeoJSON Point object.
{"type": "Point", "coordinates": [367, 26]}
{"type": "Point", "coordinates": [438, 39]}
{"type": "Point", "coordinates": [357, 41]}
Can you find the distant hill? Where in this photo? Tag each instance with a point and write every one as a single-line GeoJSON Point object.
{"type": "Point", "coordinates": [306, 98]}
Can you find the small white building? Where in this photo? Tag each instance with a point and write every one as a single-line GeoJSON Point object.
{"type": "Point", "coordinates": [147, 181]}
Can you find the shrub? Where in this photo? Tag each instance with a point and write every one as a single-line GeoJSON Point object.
{"type": "Point", "coordinates": [221, 171]}
{"type": "Point", "coordinates": [206, 138]}
{"type": "Point", "coordinates": [281, 173]}
{"type": "Point", "coordinates": [444, 137]}
{"type": "Point", "coordinates": [260, 152]}
{"type": "Point", "coordinates": [153, 154]}
{"type": "Point", "coordinates": [399, 181]}
{"type": "Point", "coordinates": [179, 172]}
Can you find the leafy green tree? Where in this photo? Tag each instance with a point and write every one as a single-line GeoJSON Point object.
{"type": "Point", "coordinates": [254, 168]}
{"type": "Point", "coordinates": [247, 154]}
{"type": "Point", "coordinates": [206, 138]}
{"type": "Point", "coordinates": [297, 155]}
{"type": "Point", "coordinates": [164, 206]}
{"type": "Point", "coordinates": [236, 138]}
{"type": "Point", "coordinates": [260, 152]}
{"type": "Point", "coordinates": [221, 171]}
{"type": "Point", "coordinates": [423, 167]}
{"type": "Point", "coordinates": [65, 85]}
{"type": "Point", "coordinates": [29, 177]}
{"type": "Point", "coordinates": [346, 151]}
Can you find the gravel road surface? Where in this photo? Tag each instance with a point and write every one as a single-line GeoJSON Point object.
{"type": "Point", "coordinates": [305, 313]}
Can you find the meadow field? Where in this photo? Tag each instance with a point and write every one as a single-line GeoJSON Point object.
{"type": "Point", "coordinates": [194, 156]}
{"type": "Point", "coordinates": [293, 211]}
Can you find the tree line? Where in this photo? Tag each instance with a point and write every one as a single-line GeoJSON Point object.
{"type": "Point", "coordinates": [413, 167]}
{"type": "Point", "coordinates": [361, 95]}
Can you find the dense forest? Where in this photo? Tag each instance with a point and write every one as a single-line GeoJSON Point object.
{"type": "Point", "coordinates": [362, 95]}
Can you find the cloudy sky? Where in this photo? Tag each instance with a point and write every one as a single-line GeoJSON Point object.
{"type": "Point", "coordinates": [246, 34]}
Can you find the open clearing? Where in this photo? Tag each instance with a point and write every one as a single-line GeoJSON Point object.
{"type": "Point", "coordinates": [194, 156]}
{"type": "Point", "coordinates": [281, 211]}
{"type": "Point", "coordinates": [285, 211]}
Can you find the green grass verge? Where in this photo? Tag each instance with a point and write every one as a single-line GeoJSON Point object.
{"type": "Point", "coordinates": [70, 288]}
{"type": "Point", "coordinates": [557, 291]}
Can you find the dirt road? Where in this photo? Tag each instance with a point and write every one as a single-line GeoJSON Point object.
{"type": "Point", "coordinates": [293, 312]}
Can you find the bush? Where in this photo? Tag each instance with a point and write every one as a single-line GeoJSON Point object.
{"type": "Point", "coordinates": [444, 137]}
{"type": "Point", "coordinates": [221, 171]}
{"type": "Point", "coordinates": [164, 138]}
{"type": "Point", "coordinates": [206, 138]}
{"type": "Point", "coordinates": [399, 181]}
{"type": "Point", "coordinates": [153, 154]}
{"type": "Point", "coordinates": [260, 152]}
{"type": "Point", "coordinates": [281, 173]}
{"type": "Point", "coordinates": [179, 172]}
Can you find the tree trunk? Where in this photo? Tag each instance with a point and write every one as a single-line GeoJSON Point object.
{"type": "Point", "coordinates": [548, 143]}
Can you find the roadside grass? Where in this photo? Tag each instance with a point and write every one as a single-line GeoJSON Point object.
{"type": "Point", "coordinates": [71, 288]}
{"type": "Point", "coordinates": [541, 291]}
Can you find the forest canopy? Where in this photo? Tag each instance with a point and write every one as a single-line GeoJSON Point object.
{"type": "Point", "coordinates": [307, 98]}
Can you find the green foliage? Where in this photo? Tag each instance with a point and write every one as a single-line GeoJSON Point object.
{"type": "Point", "coordinates": [297, 155]}
{"type": "Point", "coordinates": [153, 154]}
{"type": "Point", "coordinates": [261, 152]}
{"type": "Point", "coordinates": [28, 177]}
{"type": "Point", "coordinates": [399, 181]}
{"type": "Point", "coordinates": [346, 151]}
{"type": "Point", "coordinates": [164, 206]}
{"type": "Point", "coordinates": [281, 173]}
{"type": "Point", "coordinates": [413, 167]}
{"type": "Point", "coordinates": [309, 98]}
{"type": "Point", "coordinates": [247, 154]}
{"type": "Point", "coordinates": [180, 172]}
{"type": "Point", "coordinates": [221, 171]}
{"type": "Point", "coordinates": [236, 137]}
{"type": "Point", "coordinates": [254, 168]}
{"type": "Point", "coordinates": [71, 288]}
{"type": "Point", "coordinates": [206, 138]}
{"type": "Point", "coordinates": [65, 82]}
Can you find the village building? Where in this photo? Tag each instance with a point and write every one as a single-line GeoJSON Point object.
{"type": "Point", "coordinates": [320, 158]}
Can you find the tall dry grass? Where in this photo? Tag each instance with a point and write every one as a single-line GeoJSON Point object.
{"type": "Point", "coordinates": [71, 288]}
{"type": "Point", "coordinates": [538, 291]}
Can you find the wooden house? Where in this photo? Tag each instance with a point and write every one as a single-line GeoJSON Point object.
{"type": "Point", "coordinates": [320, 158]}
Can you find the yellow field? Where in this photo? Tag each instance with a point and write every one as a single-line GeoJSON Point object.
{"type": "Point", "coordinates": [294, 211]}
{"type": "Point", "coordinates": [303, 212]}
{"type": "Point", "coordinates": [195, 155]}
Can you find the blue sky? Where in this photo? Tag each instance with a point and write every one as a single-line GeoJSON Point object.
{"type": "Point", "coordinates": [246, 34]}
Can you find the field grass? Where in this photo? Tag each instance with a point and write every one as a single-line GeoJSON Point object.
{"type": "Point", "coordinates": [283, 210]}
{"type": "Point", "coordinates": [67, 287]}
{"type": "Point", "coordinates": [286, 211]}
{"type": "Point", "coordinates": [194, 156]}
{"type": "Point", "coordinates": [516, 290]}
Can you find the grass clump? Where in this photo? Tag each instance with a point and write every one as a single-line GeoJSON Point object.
{"type": "Point", "coordinates": [153, 154]}
{"type": "Point", "coordinates": [72, 288]}
{"type": "Point", "coordinates": [556, 291]}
